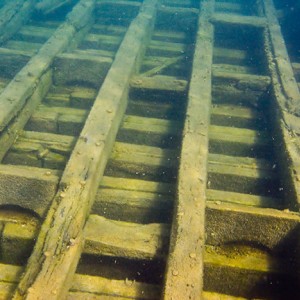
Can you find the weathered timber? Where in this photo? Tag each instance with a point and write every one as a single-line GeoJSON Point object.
{"type": "Point", "coordinates": [159, 82]}
{"type": "Point", "coordinates": [127, 240]}
{"type": "Point", "coordinates": [233, 7]}
{"type": "Point", "coordinates": [182, 19]}
{"type": "Point", "coordinates": [168, 62]}
{"type": "Point", "coordinates": [10, 133]}
{"type": "Point", "coordinates": [36, 34]}
{"type": "Point", "coordinates": [238, 141]}
{"type": "Point", "coordinates": [106, 237]}
{"type": "Point", "coordinates": [238, 116]}
{"type": "Point", "coordinates": [151, 163]}
{"type": "Point", "coordinates": [228, 264]}
{"type": "Point", "coordinates": [219, 196]}
{"type": "Point", "coordinates": [117, 8]}
{"type": "Point", "coordinates": [282, 61]}
{"type": "Point", "coordinates": [243, 82]}
{"type": "Point", "coordinates": [49, 6]}
{"type": "Point", "coordinates": [87, 287]}
{"type": "Point", "coordinates": [184, 274]}
{"type": "Point", "coordinates": [286, 94]}
{"type": "Point", "coordinates": [63, 120]}
{"type": "Point", "coordinates": [17, 93]}
{"type": "Point", "coordinates": [273, 229]}
{"type": "Point", "coordinates": [40, 149]}
{"type": "Point", "coordinates": [13, 15]}
{"type": "Point", "coordinates": [85, 168]}
{"type": "Point", "coordinates": [30, 47]}
{"type": "Point", "coordinates": [230, 56]}
{"type": "Point", "coordinates": [150, 131]}
{"type": "Point", "coordinates": [238, 20]}
{"type": "Point", "coordinates": [133, 205]}
{"type": "Point", "coordinates": [80, 68]}
{"type": "Point", "coordinates": [12, 60]}
{"type": "Point", "coordinates": [239, 174]}
{"type": "Point", "coordinates": [28, 187]}
{"type": "Point", "coordinates": [234, 68]}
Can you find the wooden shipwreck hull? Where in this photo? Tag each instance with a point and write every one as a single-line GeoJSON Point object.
{"type": "Point", "coordinates": [149, 150]}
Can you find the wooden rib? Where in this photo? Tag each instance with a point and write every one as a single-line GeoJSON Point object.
{"type": "Point", "coordinates": [184, 274]}
{"type": "Point", "coordinates": [59, 244]}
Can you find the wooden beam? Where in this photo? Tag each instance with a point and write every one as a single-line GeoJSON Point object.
{"type": "Point", "coordinates": [59, 244]}
{"type": "Point", "coordinates": [184, 274]}
{"type": "Point", "coordinates": [238, 20]}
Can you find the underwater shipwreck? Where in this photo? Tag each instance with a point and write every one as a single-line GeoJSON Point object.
{"type": "Point", "coordinates": [149, 149]}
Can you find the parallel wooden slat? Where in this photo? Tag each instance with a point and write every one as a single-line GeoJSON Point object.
{"type": "Point", "coordinates": [184, 274]}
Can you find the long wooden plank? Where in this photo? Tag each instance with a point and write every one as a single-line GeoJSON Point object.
{"type": "Point", "coordinates": [59, 244]}
{"type": "Point", "coordinates": [184, 274]}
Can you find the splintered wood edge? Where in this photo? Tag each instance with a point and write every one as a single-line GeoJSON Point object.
{"type": "Point", "coordinates": [79, 183]}
{"type": "Point", "coordinates": [184, 274]}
